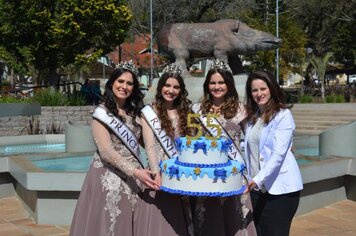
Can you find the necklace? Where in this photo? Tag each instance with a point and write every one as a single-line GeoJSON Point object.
{"type": "Point", "coordinates": [215, 109]}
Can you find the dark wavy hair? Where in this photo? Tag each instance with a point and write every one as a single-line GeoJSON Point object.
{"type": "Point", "coordinates": [181, 103]}
{"type": "Point", "coordinates": [231, 100]}
{"type": "Point", "coordinates": [274, 105]}
{"type": "Point", "coordinates": [134, 102]}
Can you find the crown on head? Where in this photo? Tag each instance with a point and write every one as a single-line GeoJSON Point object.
{"type": "Point", "coordinates": [173, 68]}
{"type": "Point", "coordinates": [128, 65]}
{"type": "Point", "coordinates": [219, 64]}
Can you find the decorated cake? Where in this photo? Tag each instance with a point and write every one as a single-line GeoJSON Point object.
{"type": "Point", "coordinates": [202, 168]}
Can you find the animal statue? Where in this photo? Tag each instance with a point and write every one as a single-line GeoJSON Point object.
{"type": "Point", "coordinates": [223, 39]}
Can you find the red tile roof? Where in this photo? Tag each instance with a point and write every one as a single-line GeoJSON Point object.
{"type": "Point", "coordinates": [131, 51]}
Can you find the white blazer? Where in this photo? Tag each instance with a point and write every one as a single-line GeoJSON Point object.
{"type": "Point", "coordinates": [279, 171]}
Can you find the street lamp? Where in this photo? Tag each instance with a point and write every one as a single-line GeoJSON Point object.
{"type": "Point", "coordinates": [152, 50]}
{"type": "Point", "coordinates": [277, 50]}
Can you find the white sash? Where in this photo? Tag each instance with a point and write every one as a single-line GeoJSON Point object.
{"type": "Point", "coordinates": [234, 152]}
{"type": "Point", "coordinates": [166, 142]}
{"type": "Point", "coordinates": [120, 129]}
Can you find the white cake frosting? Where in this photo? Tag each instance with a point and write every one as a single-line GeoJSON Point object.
{"type": "Point", "coordinates": [190, 155]}
{"type": "Point", "coordinates": [202, 169]}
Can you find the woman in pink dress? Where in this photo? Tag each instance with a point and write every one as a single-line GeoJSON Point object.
{"type": "Point", "coordinates": [111, 191]}
{"type": "Point", "coordinates": [162, 213]}
{"type": "Point", "coordinates": [225, 215]}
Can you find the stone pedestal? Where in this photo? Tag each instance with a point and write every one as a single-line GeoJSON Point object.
{"type": "Point", "coordinates": [78, 138]}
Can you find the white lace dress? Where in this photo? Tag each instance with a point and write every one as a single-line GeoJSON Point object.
{"type": "Point", "coordinates": [109, 198]}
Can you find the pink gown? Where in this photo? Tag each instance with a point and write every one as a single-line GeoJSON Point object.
{"type": "Point", "coordinates": [110, 195]}
{"type": "Point", "coordinates": [161, 213]}
{"type": "Point", "coordinates": [226, 215]}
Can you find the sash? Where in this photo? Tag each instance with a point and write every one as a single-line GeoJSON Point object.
{"type": "Point", "coordinates": [120, 129]}
{"type": "Point", "coordinates": [234, 152]}
{"type": "Point", "coordinates": [166, 142]}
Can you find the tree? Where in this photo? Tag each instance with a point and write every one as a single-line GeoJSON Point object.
{"type": "Point", "coordinates": [292, 50]}
{"type": "Point", "coordinates": [172, 11]}
{"type": "Point", "coordinates": [258, 14]}
{"type": "Point", "coordinates": [47, 35]}
{"type": "Point", "coordinates": [320, 63]}
{"type": "Point", "coordinates": [329, 25]}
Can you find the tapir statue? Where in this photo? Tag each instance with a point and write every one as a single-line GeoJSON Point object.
{"type": "Point", "coordinates": [221, 39]}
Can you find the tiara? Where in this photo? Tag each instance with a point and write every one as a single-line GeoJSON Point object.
{"type": "Point", "coordinates": [219, 64]}
{"type": "Point", "coordinates": [128, 65]}
{"type": "Point", "coordinates": [172, 68]}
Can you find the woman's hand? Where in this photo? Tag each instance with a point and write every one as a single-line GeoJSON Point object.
{"type": "Point", "coordinates": [251, 185]}
{"type": "Point", "coordinates": [144, 176]}
{"type": "Point", "coordinates": [158, 180]}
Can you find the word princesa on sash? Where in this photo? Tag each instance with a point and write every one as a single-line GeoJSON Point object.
{"type": "Point", "coordinates": [120, 129]}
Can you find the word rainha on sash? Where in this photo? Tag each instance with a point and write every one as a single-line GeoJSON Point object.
{"type": "Point", "coordinates": [166, 142]}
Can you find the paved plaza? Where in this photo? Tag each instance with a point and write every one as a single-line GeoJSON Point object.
{"type": "Point", "coordinates": [336, 219]}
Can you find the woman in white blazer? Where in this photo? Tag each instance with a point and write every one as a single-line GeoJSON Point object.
{"type": "Point", "coordinates": [274, 176]}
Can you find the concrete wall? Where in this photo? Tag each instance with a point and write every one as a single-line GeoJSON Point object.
{"type": "Point", "coordinates": [50, 116]}
{"type": "Point", "coordinates": [339, 141]}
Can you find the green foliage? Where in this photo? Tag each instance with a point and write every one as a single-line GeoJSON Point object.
{"type": "Point", "coordinates": [320, 63]}
{"type": "Point", "coordinates": [49, 97]}
{"type": "Point", "coordinates": [306, 99]}
{"type": "Point", "coordinates": [10, 99]}
{"type": "Point", "coordinates": [339, 99]}
{"type": "Point", "coordinates": [49, 35]}
{"type": "Point", "coordinates": [334, 99]}
{"type": "Point", "coordinates": [343, 44]}
{"type": "Point", "coordinates": [292, 49]}
{"type": "Point", "coordinates": [329, 25]}
{"type": "Point", "coordinates": [329, 99]}
{"type": "Point", "coordinates": [76, 100]}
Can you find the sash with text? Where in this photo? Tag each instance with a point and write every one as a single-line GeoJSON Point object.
{"type": "Point", "coordinates": [166, 142]}
{"type": "Point", "coordinates": [120, 129]}
{"type": "Point", "coordinates": [234, 152]}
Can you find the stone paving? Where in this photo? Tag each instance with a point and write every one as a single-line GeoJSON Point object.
{"type": "Point", "coordinates": [336, 219]}
{"type": "Point", "coordinates": [16, 221]}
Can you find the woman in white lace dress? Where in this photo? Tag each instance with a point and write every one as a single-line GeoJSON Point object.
{"type": "Point", "coordinates": [225, 215]}
{"type": "Point", "coordinates": [110, 195]}
{"type": "Point", "coordinates": [161, 213]}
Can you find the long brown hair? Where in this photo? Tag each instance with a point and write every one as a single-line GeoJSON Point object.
{"type": "Point", "coordinates": [181, 103]}
{"type": "Point", "coordinates": [231, 100]}
{"type": "Point", "coordinates": [133, 104]}
{"type": "Point", "coordinates": [273, 106]}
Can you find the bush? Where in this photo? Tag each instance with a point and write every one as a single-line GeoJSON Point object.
{"type": "Point", "coordinates": [49, 97]}
{"type": "Point", "coordinates": [339, 99]}
{"type": "Point", "coordinates": [329, 99]}
{"type": "Point", "coordinates": [306, 99]}
{"type": "Point", "coordinates": [10, 99]}
{"type": "Point", "coordinates": [76, 99]}
{"type": "Point", "coordinates": [335, 99]}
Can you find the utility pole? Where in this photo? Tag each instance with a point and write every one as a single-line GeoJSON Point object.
{"type": "Point", "coordinates": [277, 35]}
{"type": "Point", "coordinates": [152, 50]}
